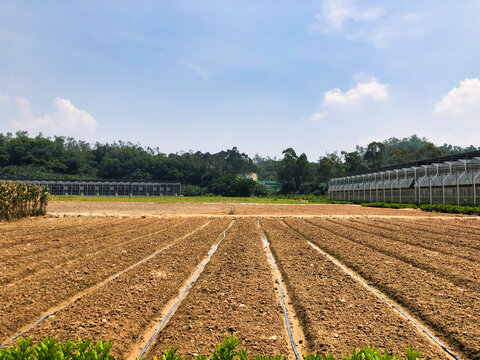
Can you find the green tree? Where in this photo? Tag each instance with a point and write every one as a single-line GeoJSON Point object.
{"type": "Point", "coordinates": [400, 156]}
{"type": "Point", "coordinates": [427, 151]}
{"type": "Point", "coordinates": [260, 190]}
{"type": "Point", "coordinates": [293, 171]}
{"type": "Point", "coordinates": [329, 166]}
{"type": "Point", "coordinates": [374, 154]}
{"type": "Point", "coordinates": [353, 161]}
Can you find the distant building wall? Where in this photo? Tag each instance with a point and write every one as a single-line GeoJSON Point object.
{"type": "Point", "coordinates": [448, 182]}
{"type": "Point", "coordinates": [108, 188]}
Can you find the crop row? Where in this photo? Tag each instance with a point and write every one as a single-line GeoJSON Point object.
{"type": "Point", "coordinates": [229, 349]}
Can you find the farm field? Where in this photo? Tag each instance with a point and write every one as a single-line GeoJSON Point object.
{"type": "Point", "coordinates": [114, 208]}
{"type": "Point", "coordinates": [118, 273]}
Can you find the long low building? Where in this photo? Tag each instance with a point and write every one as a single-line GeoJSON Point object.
{"type": "Point", "coordinates": [108, 188]}
{"type": "Point", "coordinates": [447, 180]}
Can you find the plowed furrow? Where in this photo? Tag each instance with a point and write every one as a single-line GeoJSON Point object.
{"type": "Point", "coordinates": [458, 227]}
{"type": "Point", "coordinates": [461, 272]}
{"type": "Point", "coordinates": [450, 311]}
{"type": "Point", "coordinates": [435, 232]}
{"type": "Point", "coordinates": [234, 294]}
{"type": "Point", "coordinates": [79, 225]}
{"type": "Point", "coordinates": [19, 270]}
{"type": "Point", "coordinates": [407, 237]}
{"type": "Point", "coordinates": [25, 301]}
{"type": "Point", "coordinates": [123, 308]}
{"type": "Point", "coordinates": [330, 302]}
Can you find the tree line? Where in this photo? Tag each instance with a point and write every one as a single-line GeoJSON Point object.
{"type": "Point", "coordinates": [223, 173]}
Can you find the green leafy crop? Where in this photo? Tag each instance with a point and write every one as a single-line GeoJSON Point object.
{"type": "Point", "coordinates": [51, 349]}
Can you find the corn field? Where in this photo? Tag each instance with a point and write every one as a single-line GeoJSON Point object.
{"type": "Point", "coordinates": [19, 200]}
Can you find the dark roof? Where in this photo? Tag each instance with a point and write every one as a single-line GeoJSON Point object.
{"type": "Point", "coordinates": [441, 159]}
{"type": "Point", "coordinates": [89, 181]}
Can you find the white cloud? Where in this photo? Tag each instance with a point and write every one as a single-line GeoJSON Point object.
{"type": "Point", "coordinates": [318, 116]}
{"type": "Point", "coordinates": [66, 119]}
{"type": "Point", "coordinates": [461, 100]}
{"type": "Point", "coordinates": [338, 12]}
{"type": "Point", "coordinates": [367, 24]}
{"type": "Point", "coordinates": [4, 98]}
{"type": "Point", "coordinates": [372, 90]}
{"type": "Point", "coordinates": [196, 69]}
{"type": "Point", "coordinates": [395, 27]}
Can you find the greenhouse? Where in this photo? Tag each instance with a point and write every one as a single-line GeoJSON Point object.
{"type": "Point", "coordinates": [447, 180]}
{"type": "Point", "coordinates": [109, 188]}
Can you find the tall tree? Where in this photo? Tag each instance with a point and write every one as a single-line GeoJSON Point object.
{"type": "Point", "coordinates": [353, 161]}
{"type": "Point", "coordinates": [329, 166]}
{"type": "Point", "coordinates": [374, 154]}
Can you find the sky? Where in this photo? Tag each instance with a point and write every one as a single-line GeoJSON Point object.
{"type": "Point", "coordinates": [318, 76]}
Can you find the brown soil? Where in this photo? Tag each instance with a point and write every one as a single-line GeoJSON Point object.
{"type": "Point", "coordinates": [450, 310]}
{"type": "Point", "coordinates": [462, 226]}
{"type": "Point", "coordinates": [461, 272]}
{"type": "Point", "coordinates": [237, 294]}
{"type": "Point", "coordinates": [408, 227]}
{"type": "Point", "coordinates": [442, 244]}
{"type": "Point", "coordinates": [46, 252]}
{"type": "Point", "coordinates": [124, 308]}
{"type": "Point", "coordinates": [24, 302]}
{"type": "Point", "coordinates": [426, 262]}
{"type": "Point", "coordinates": [329, 303]}
{"type": "Point", "coordinates": [21, 231]}
{"type": "Point", "coordinates": [209, 209]}
{"type": "Point", "coordinates": [459, 236]}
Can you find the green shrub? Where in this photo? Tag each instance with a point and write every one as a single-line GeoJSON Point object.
{"type": "Point", "coordinates": [445, 208]}
{"type": "Point", "coordinates": [260, 190]}
{"type": "Point", "coordinates": [453, 209]}
{"type": "Point", "coordinates": [390, 205]}
{"type": "Point", "coordinates": [192, 190]}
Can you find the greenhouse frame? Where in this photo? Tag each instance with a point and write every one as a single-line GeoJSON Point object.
{"type": "Point", "coordinates": [108, 188]}
{"type": "Point", "coordinates": [448, 180]}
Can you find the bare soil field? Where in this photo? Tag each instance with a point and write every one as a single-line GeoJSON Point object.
{"type": "Point", "coordinates": [237, 296]}
{"type": "Point", "coordinates": [450, 310]}
{"type": "Point", "coordinates": [118, 269]}
{"type": "Point", "coordinates": [337, 313]}
{"type": "Point", "coordinates": [60, 208]}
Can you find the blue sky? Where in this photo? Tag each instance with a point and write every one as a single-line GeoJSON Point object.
{"type": "Point", "coordinates": [317, 76]}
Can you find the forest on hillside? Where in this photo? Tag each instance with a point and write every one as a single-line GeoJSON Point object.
{"type": "Point", "coordinates": [224, 173]}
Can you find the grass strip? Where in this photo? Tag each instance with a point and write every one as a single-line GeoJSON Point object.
{"type": "Point", "coordinates": [281, 199]}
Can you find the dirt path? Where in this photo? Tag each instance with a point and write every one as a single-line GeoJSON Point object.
{"type": "Point", "coordinates": [234, 294]}
{"type": "Point", "coordinates": [451, 311]}
{"type": "Point", "coordinates": [123, 308]}
{"type": "Point", "coordinates": [26, 301]}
